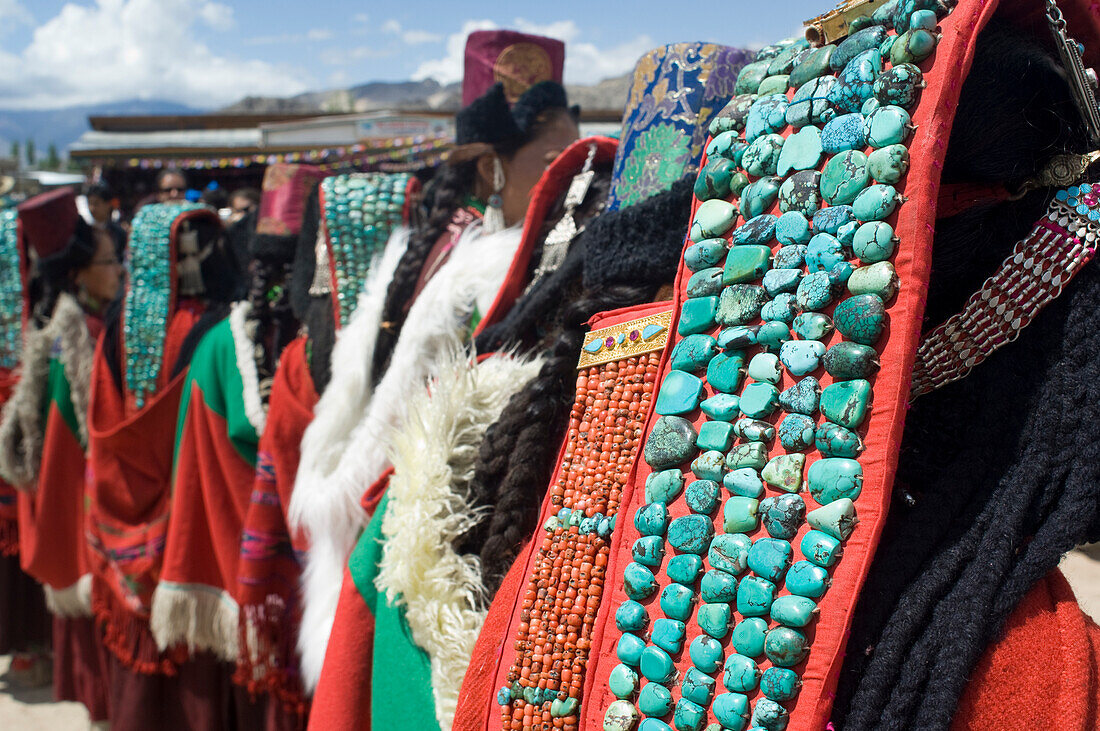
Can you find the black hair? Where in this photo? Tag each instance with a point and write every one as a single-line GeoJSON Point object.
{"type": "Point", "coordinates": [251, 194]}
{"type": "Point", "coordinates": [998, 473]}
{"type": "Point", "coordinates": [99, 189]}
{"type": "Point", "coordinates": [165, 172]}
{"type": "Point", "coordinates": [56, 273]}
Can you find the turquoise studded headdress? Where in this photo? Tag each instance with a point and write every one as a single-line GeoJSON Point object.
{"type": "Point", "coordinates": [11, 290]}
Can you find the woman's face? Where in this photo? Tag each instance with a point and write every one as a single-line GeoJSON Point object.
{"type": "Point", "coordinates": [523, 170]}
{"type": "Point", "coordinates": [102, 277]}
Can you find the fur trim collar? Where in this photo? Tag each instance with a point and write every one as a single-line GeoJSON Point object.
{"type": "Point", "coordinates": [72, 601]}
{"type": "Point", "coordinates": [254, 407]}
{"type": "Point", "coordinates": [434, 455]}
{"type": "Point", "coordinates": [326, 505]}
{"type": "Point", "coordinates": [21, 426]}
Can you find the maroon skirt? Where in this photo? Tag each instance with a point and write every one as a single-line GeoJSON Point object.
{"type": "Point", "coordinates": [24, 621]}
{"type": "Point", "coordinates": [80, 666]}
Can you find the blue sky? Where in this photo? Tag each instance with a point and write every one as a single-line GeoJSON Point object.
{"type": "Point", "coordinates": [210, 52]}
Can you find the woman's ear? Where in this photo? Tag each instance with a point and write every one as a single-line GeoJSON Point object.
{"type": "Point", "coordinates": [484, 187]}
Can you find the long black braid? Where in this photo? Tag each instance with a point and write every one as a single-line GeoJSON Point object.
{"type": "Point", "coordinates": [999, 472]}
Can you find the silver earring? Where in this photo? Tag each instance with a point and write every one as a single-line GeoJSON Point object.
{"type": "Point", "coordinates": [494, 212]}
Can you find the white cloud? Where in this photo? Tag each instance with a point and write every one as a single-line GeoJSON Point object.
{"type": "Point", "coordinates": [312, 35]}
{"type": "Point", "coordinates": [123, 49]}
{"type": "Point", "coordinates": [411, 37]}
{"type": "Point", "coordinates": [13, 13]}
{"type": "Point", "coordinates": [448, 69]}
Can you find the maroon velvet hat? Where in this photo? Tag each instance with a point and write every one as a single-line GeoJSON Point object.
{"type": "Point", "coordinates": [48, 221]}
{"type": "Point", "coordinates": [517, 60]}
{"type": "Point", "coordinates": [286, 189]}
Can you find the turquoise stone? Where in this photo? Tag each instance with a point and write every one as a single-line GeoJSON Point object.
{"type": "Point", "coordinates": [889, 164]}
{"type": "Point", "coordinates": [753, 454]}
{"type": "Point", "coordinates": [810, 104]}
{"type": "Point", "coordinates": [823, 253]}
{"type": "Point", "coordinates": [846, 402]}
{"type": "Point", "coordinates": [774, 333]}
{"type": "Point", "coordinates": [755, 596]}
{"type": "Point", "coordinates": [837, 519]}
{"type": "Point", "coordinates": [855, 83]}
{"type": "Point", "coordinates": [844, 177]}
{"type": "Point", "coordinates": [875, 202]}
{"type": "Point", "coordinates": [694, 352]}
{"type": "Point", "coordinates": [679, 393]}
{"type": "Point", "coordinates": [806, 578]}
{"type": "Point", "coordinates": [861, 318]}
{"type": "Point", "coordinates": [740, 514]}
{"type": "Point", "coordinates": [830, 220]}
{"type": "Point", "coordinates": [769, 558]}
{"type": "Point", "coordinates": [656, 665]}
{"type": "Point", "coordinates": [780, 281]}
{"type": "Point", "coordinates": [888, 125]}
{"type": "Point", "coordinates": [774, 85]}
{"type": "Point", "coordinates": [638, 582]}
{"type": "Point", "coordinates": [721, 406]}
{"type": "Point", "coordinates": [668, 634]}
{"type": "Point", "coordinates": [759, 400]}
{"type": "Point", "coordinates": [833, 440]}
{"type": "Point", "coordinates": [782, 515]}
{"type": "Point", "coordinates": [620, 716]}
{"type": "Point", "coordinates": [821, 548]}
{"type": "Point", "coordinates": [663, 487]}
{"type": "Point", "coordinates": [731, 710]}
{"type": "Point", "coordinates": [740, 304]}
{"type": "Point", "coordinates": [729, 552]}
{"type": "Point", "coordinates": [783, 308]}
{"type": "Point", "coordinates": [688, 716]}
{"type": "Point", "coordinates": [815, 291]}
{"type": "Point", "coordinates": [768, 715]}
{"type": "Point", "coordinates": [691, 533]}
{"type": "Point", "coordinates": [748, 636]}
{"type": "Point", "coordinates": [753, 430]}
{"type": "Point", "coordinates": [801, 193]}
{"type": "Point", "coordinates": [745, 482]}
{"type": "Point", "coordinates": [746, 264]}
{"type": "Point", "coordinates": [780, 684]}
{"type": "Point", "coordinates": [706, 253]}
{"type": "Point", "coordinates": [791, 229]}
{"type": "Point", "coordinates": [697, 315]}
{"type": "Point", "coordinates": [629, 649]}
{"type": "Point", "coordinates": [786, 647]}
{"type": "Point", "coordinates": [732, 117]}
{"type": "Point", "coordinates": [812, 65]}
{"type": "Point", "coordinates": [762, 156]}
{"type": "Point", "coordinates": [846, 360]}
{"type": "Point", "coordinates": [655, 700]}
{"type": "Point", "coordinates": [884, 50]}
{"type": "Point", "coordinates": [594, 347]}
{"type": "Point", "coordinates": [715, 435]}
{"type": "Point", "coordinates": [879, 278]}
{"type": "Point", "coordinates": [706, 653]}
{"type": "Point", "coordinates": [748, 81]}
{"type": "Point", "coordinates": [899, 86]}
{"type": "Point", "coordinates": [784, 62]}
{"type": "Point", "coordinates": [765, 367]}
{"type": "Point", "coordinates": [796, 431]}
{"type": "Point", "coordinates": [802, 397]}
{"type": "Point", "coordinates": [623, 681]}
{"type": "Point", "coordinates": [903, 10]}
{"type": "Point", "coordinates": [671, 443]}
{"type": "Point", "coordinates": [649, 550]}
{"type": "Point", "coordinates": [847, 232]}
{"type": "Point", "coordinates": [714, 179]}
{"type": "Point", "coordinates": [705, 282]}
{"type": "Point", "coordinates": [701, 496]}
{"type": "Point", "coordinates": [912, 46]}
{"type": "Point", "coordinates": [801, 151]}
{"type": "Point", "coordinates": [812, 326]}
{"type": "Point", "coordinates": [652, 518]}
{"type": "Point", "coordinates": [718, 586]}
{"type": "Point", "coordinates": [793, 611]}
{"type": "Point", "coordinates": [677, 601]}
{"type": "Point", "coordinates": [843, 133]}
{"type": "Point", "coordinates": [652, 331]}
{"type": "Point", "coordinates": [653, 724]}
{"type": "Point", "coordinates": [767, 114]}
{"type": "Point", "coordinates": [724, 372]}
{"type": "Point", "coordinates": [874, 241]}
{"type": "Point", "coordinates": [758, 230]}
{"type": "Point", "coordinates": [758, 197]}
{"type": "Point", "coordinates": [631, 617]}
{"type": "Point", "coordinates": [738, 337]}
{"type": "Point", "coordinates": [713, 218]}
{"type": "Point", "coordinates": [709, 466]}
{"type": "Point", "coordinates": [923, 19]}
{"type": "Point", "coordinates": [784, 472]}
{"type": "Point", "coordinates": [740, 674]}
{"type": "Point", "coordinates": [685, 568]}
{"type": "Point", "coordinates": [697, 687]}
{"type": "Point", "coordinates": [714, 619]}
{"type": "Point", "coordinates": [839, 275]}
{"type": "Point", "coordinates": [857, 43]}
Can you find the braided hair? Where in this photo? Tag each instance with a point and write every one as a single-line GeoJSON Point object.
{"type": "Point", "coordinates": [56, 273]}
{"type": "Point", "coordinates": [998, 472]}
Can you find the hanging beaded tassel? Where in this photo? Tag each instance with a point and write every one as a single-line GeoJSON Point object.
{"type": "Point", "coordinates": [494, 213]}
{"type": "Point", "coordinates": [11, 292]}
{"type": "Point", "coordinates": [190, 264]}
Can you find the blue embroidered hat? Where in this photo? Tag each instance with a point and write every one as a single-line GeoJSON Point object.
{"type": "Point", "coordinates": [675, 92]}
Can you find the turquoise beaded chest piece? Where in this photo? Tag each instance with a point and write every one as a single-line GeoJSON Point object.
{"type": "Point", "coordinates": [11, 291]}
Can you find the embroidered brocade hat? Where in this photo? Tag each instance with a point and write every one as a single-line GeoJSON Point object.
{"type": "Point", "coordinates": [286, 190]}
{"type": "Point", "coordinates": [515, 60]}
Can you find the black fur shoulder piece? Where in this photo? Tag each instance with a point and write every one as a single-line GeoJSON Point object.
{"type": "Point", "coordinates": [489, 120]}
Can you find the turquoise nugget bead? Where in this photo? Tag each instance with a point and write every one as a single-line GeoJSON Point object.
{"type": "Point", "coordinates": [879, 278]}
{"type": "Point", "coordinates": [812, 65]}
{"type": "Point", "coordinates": [855, 83]}
{"type": "Point", "coordinates": [769, 715]}
{"type": "Point", "coordinates": [623, 681]}
{"type": "Point", "coordinates": [801, 356]}
{"type": "Point", "coordinates": [812, 326]}
{"type": "Point", "coordinates": [889, 164]}
{"type": "Point", "coordinates": [714, 619]}
{"type": "Point", "coordinates": [762, 155]}
{"type": "Point", "coordinates": [752, 430]}
{"type": "Point", "coordinates": [649, 550]}
{"type": "Point", "coordinates": [638, 581]}
{"type": "Point", "coordinates": [767, 114]}
{"type": "Point", "coordinates": [655, 700]}
{"type": "Point", "coordinates": [770, 557]}
{"type": "Point", "coordinates": [846, 360]}
{"type": "Point", "coordinates": [697, 687]}
{"type": "Point", "coordinates": [749, 636]}
{"type": "Point", "coordinates": [875, 202]}
{"type": "Point", "coordinates": [781, 281]}
{"type": "Point", "coordinates": [729, 552]}
{"type": "Point", "coordinates": [746, 263]}
{"type": "Point", "coordinates": [774, 333]}
{"type": "Point", "coordinates": [631, 617]}
{"type": "Point", "coordinates": [833, 440]}
{"type": "Point", "coordinates": [755, 596]}
{"type": "Point", "coordinates": [676, 601]}
{"type": "Point", "coordinates": [758, 230]}
{"type": "Point", "coordinates": [694, 352]}
{"type": "Point", "coordinates": [702, 495]}
{"type": "Point", "coordinates": [705, 254]}
{"type": "Point", "coordinates": [888, 125]}
{"type": "Point", "coordinates": [856, 43]}
{"type": "Point", "coordinates": [783, 308]}
{"type": "Point", "coordinates": [668, 634]}
{"type": "Point", "coordinates": [679, 393]}
{"type": "Point", "coordinates": [793, 611]}
{"type": "Point", "coordinates": [837, 519]}
{"type": "Point", "coordinates": [738, 337]}
{"type": "Point", "coordinates": [724, 372]}
{"type": "Point", "coordinates": [652, 724]}
{"type": "Point", "coordinates": [810, 103]}
{"type": "Point", "coordinates": [830, 220]}
{"type": "Point", "coordinates": [655, 664]}
{"type": "Point", "coordinates": [741, 674]}
{"type": "Point", "coordinates": [731, 710]}
{"type": "Point", "coordinates": [722, 406]}
{"type": "Point", "coordinates": [821, 548]}
{"type": "Point", "coordinates": [846, 403]}
{"type": "Point", "coordinates": [835, 478]}
{"type": "Point", "coordinates": [899, 86]}
{"type": "Point", "coordinates": [815, 291]}
{"type": "Point", "coordinates": [844, 177]}
{"type": "Point", "coordinates": [663, 487]}
{"type": "Point", "coordinates": [802, 397]}
{"type": "Point", "coordinates": [705, 283]}
{"type": "Point", "coordinates": [709, 466]}
{"type": "Point", "coordinates": [801, 192]}
{"type": "Point", "coordinates": [713, 218]}
{"type": "Point", "coordinates": [744, 482]}
{"type": "Point", "coordinates": [688, 716]}
{"type": "Point", "coordinates": [691, 533]}
{"type": "Point", "coordinates": [784, 472]}
{"type": "Point", "coordinates": [758, 400]}
{"type": "Point", "coordinates": [782, 515]}
{"type": "Point", "coordinates": [651, 519]}
{"type": "Point", "coordinates": [754, 454]}
{"type": "Point", "coordinates": [697, 315]}
{"type": "Point", "coordinates": [685, 568]}
{"type": "Point", "coordinates": [792, 228]}
{"type": "Point", "coordinates": [718, 586]}
{"type": "Point", "coordinates": [727, 143]}
{"type": "Point", "coordinates": [670, 443]}
{"type": "Point", "coordinates": [823, 253]}
{"type": "Point", "coordinates": [785, 647]}
{"type": "Point", "coordinates": [740, 304]}
{"type": "Point", "coordinates": [801, 151]}
{"type": "Point", "coordinates": [629, 649]}
{"type": "Point", "coordinates": [714, 179]}
{"type": "Point", "coordinates": [843, 133]}
{"type": "Point", "coordinates": [765, 367]}
{"type": "Point", "coordinates": [791, 256]}
{"type": "Point", "coordinates": [758, 197]}
{"type": "Point", "coordinates": [874, 241]}
{"type": "Point", "coordinates": [706, 653]}
{"type": "Point", "coordinates": [806, 578]}
{"type": "Point", "coordinates": [780, 684]}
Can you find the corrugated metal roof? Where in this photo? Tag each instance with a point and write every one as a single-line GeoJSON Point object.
{"type": "Point", "coordinates": [197, 138]}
